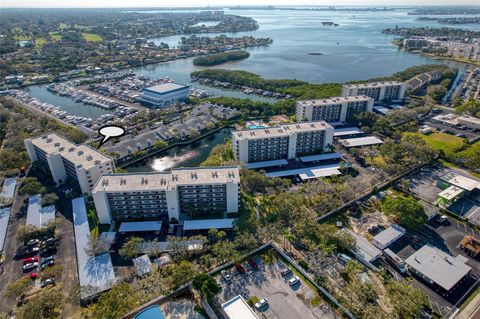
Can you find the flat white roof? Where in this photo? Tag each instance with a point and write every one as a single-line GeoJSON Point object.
{"type": "Point", "coordinates": [388, 236]}
{"type": "Point", "coordinates": [373, 84]}
{"type": "Point", "coordinates": [4, 219]}
{"type": "Point", "coordinates": [165, 246]}
{"type": "Point", "coordinates": [130, 227]}
{"type": "Point", "coordinates": [320, 157]}
{"type": "Point", "coordinates": [143, 265]}
{"type": "Point", "coordinates": [200, 224]}
{"type": "Point", "coordinates": [164, 88]}
{"type": "Point", "coordinates": [281, 130]}
{"type": "Point", "coordinates": [363, 248]}
{"type": "Point", "coordinates": [237, 308]}
{"type": "Point", "coordinates": [8, 189]}
{"type": "Point", "coordinates": [316, 171]}
{"type": "Point", "coordinates": [167, 180]}
{"type": "Point", "coordinates": [77, 154]}
{"type": "Point", "coordinates": [361, 141]}
{"type": "Point", "coordinates": [266, 164]}
{"type": "Point", "coordinates": [451, 192]}
{"type": "Point", "coordinates": [37, 215]}
{"type": "Point", "coordinates": [335, 100]}
{"type": "Point", "coordinates": [382, 110]}
{"type": "Point", "coordinates": [347, 131]}
{"type": "Point", "coordinates": [462, 181]}
{"type": "Point", "coordinates": [443, 269]}
{"type": "Point", "coordinates": [95, 274]}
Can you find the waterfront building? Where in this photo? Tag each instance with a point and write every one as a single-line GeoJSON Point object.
{"type": "Point", "coordinates": [282, 142]}
{"type": "Point", "coordinates": [158, 196]}
{"type": "Point", "coordinates": [66, 160]}
{"type": "Point", "coordinates": [379, 91]}
{"type": "Point", "coordinates": [336, 109]}
{"type": "Point", "coordinates": [164, 94]}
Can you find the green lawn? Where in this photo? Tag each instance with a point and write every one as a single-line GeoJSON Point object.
{"type": "Point", "coordinates": [55, 36]}
{"type": "Point", "coordinates": [450, 144]}
{"type": "Point", "coordinates": [91, 37]}
{"type": "Point", "coordinates": [40, 42]}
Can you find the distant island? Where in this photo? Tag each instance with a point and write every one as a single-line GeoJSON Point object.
{"type": "Point", "coordinates": [219, 58]}
{"type": "Point", "coordinates": [315, 53]}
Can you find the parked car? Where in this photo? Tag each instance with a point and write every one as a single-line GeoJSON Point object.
{"type": "Point", "coordinates": [262, 303]}
{"type": "Point", "coordinates": [29, 251]}
{"type": "Point", "coordinates": [226, 275]}
{"type": "Point", "coordinates": [442, 219]}
{"type": "Point", "coordinates": [252, 264]}
{"type": "Point", "coordinates": [344, 258]}
{"type": "Point", "coordinates": [32, 242]}
{"type": "Point", "coordinates": [30, 260]}
{"type": "Point", "coordinates": [46, 282]}
{"type": "Point", "coordinates": [34, 275]}
{"type": "Point", "coordinates": [294, 280]}
{"type": "Point", "coordinates": [46, 263]}
{"type": "Point", "coordinates": [240, 268]}
{"type": "Point", "coordinates": [285, 271]}
{"type": "Point", "coordinates": [30, 266]}
{"type": "Point", "coordinates": [48, 242]}
{"type": "Point", "coordinates": [48, 251]}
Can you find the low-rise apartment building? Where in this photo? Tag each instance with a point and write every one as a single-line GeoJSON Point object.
{"type": "Point", "coordinates": [166, 195]}
{"type": "Point", "coordinates": [65, 159]}
{"type": "Point", "coordinates": [336, 109]}
{"type": "Point", "coordinates": [379, 91]}
{"type": "Point", "coordinates": [164, 94]}
{"type": "Point", "coordinates": [282, 142]}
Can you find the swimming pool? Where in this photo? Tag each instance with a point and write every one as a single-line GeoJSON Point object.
{"type": "Point", "coordinates": [153, 312]}
{"type": "Point", "coordinates": [252, 127]}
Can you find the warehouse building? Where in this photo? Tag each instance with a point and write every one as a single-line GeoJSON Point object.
{"type": "Point", "coordinates": [164, 94]}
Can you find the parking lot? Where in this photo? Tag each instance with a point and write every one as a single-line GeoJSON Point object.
{"type": "Point", "coordinates": [284, 301]}
{"type": "Point", "coordinates": [423, 185]}
{"type": "Point", "coordinates": [445, 236]}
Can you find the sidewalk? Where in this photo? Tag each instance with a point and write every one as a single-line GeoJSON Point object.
{"type": "Point", "coordinates": [471, 311]}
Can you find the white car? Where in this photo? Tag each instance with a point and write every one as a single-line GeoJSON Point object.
{"type": "Point", "coordinates": [344, 258]}
{"type": "Point", "coordinates": [262, 303]}
{"type": "Point", "coordinates": [443, 218]}
{"type": "Point", "coordinates": [29, 266]}
{"type": "Point", "coordinates": [226, 275]}
{"type": "Point", "coordinates": [292, 281]}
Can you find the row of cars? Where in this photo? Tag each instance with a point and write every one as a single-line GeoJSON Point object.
{"type": "Point", "coordinates": [39, 254]}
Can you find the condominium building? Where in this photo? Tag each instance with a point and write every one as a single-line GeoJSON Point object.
{"type": "Point", "coordinates": [336, 109]}
{"type": "Point", "coordinates": [156, 196]}
{"type": "Point", "coordinates": [65, 159]}
{"type": "Point", "coordinates": [282, 142]}
{"type": "Point", "coordinates": [379, 91]}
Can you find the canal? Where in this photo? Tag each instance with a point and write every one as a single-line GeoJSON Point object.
{"type": "Point", "coordinates": [182, 156]}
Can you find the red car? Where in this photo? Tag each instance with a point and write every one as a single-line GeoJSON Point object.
{"type": "Point", "coordinates": [252, 264]}
{"type": "Point", "coordinates": [34, 275]}
{"type": "Point", "coordinates": [30, 260]}
{"type": "Point", "coordinates": [240, 268]}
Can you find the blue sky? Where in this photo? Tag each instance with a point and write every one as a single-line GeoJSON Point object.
{"type": "Point", "coordinates": [159, 3]}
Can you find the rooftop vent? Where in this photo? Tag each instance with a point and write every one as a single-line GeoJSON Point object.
{"type": "Point", "coordinates": [71, 149]}
{"type": "Point", "coordinates": [144, 181]}
{"type": "Point", "coordinates": [215, 174]}
{"type": "Point", "coordinates": [104, 182]}
{"type": "Point", "coordinates": [61, 149]}
{"type": "Point", "coordinates": [89, 157]}
{"type": "Point", "coordinates": [80, 153]}
{"type": "Point", "coordinates": [57, 144]}
{"type": "Point", "coordinates": [193, 175]}
{"type": "Point", "coordinates": [49, 140]}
